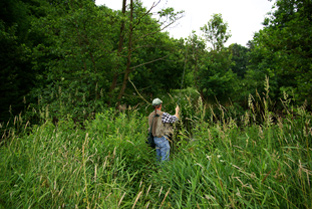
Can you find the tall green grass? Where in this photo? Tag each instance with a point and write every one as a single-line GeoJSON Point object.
{"type": "Point", "coordinates": [218, 161]}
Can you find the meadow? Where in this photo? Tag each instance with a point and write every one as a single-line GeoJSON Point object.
{"type": "Point", "coordinates": [257, 159]}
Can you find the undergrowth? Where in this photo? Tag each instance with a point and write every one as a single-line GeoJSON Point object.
{"type": "Point", "coordinates": [217, 162]}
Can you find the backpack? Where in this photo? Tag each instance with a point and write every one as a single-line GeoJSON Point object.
{"type": "Point", "coordinates": [150, 137]}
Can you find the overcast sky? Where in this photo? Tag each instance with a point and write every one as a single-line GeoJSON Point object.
{"type": "Point", "coordinates": [243, 16]}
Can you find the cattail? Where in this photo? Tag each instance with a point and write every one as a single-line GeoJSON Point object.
{"type": "Point", "coordinates": [136, 200]}
{"type": "Point", "coordinates": [160, 191]}
{"type": "Point", "coordinates": [108, 195]}
{"type": "Point", "coordinates": [149, 188]}
{"type": "Point", "coordinates": [95, 172]}
{"type": "Point", "coordinates": [121, 199]}
{"type": "Point", "coordinates": [165, 197]}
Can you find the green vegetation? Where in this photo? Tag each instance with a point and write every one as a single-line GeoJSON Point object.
{"type": "Point", "coordinates": [77, 58]}
{"type": "Point", "coordinates": [76, 84]}
{"type": "Point", "coordinates": [108, 164]}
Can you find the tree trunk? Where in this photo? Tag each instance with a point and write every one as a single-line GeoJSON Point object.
{"type": "Point", "coordinates": [128, 69]}
{"type": "Point", "coordinates": [120, 45]}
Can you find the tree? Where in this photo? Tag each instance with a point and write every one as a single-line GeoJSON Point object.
{"type": "Point", "coordinates": [129, 53]}
{"type": "Point", "coordinates": [285, 45]}
{"type": "Point", "coordinates": [120, 47]}
{"type": "Point", "coordinates": [16, 77]}
{"type": "Point", "coordinates": [216, 32]}
{"type": "Point", "coordinates": [216, 79]}
{"type": "Point", "coordinates": [240, 59]}
{"type": "Point", "coordinates": [195, 51]}
{"type": "Point", "coordinates": [140, 29]}
{"type": "Point", "coordinates": [92, 52]}
{"type": "Point", "coordinates": [78, 57]}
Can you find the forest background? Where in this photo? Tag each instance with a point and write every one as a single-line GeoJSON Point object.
{"type": "Point", "coordinates": [76, 58]}
{"type": "Point", "coordinates": [76, 85]}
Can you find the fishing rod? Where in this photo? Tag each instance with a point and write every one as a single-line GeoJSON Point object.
{"type": "Point", "coordinates": [183, 74]}
{"type": "Point", "coordinates": [185, 62]}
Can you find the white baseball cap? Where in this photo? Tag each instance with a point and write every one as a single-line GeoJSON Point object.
{"type": "Point", "coordinates": [156, 102]}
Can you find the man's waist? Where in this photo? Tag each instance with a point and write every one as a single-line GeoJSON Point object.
{"type": "Point", "coordinates": [166, 136]}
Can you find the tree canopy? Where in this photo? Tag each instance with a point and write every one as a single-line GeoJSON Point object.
{"type": "Point", "coordinates": [76, 58]}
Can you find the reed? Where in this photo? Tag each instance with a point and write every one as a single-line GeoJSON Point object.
{"type": "Point", "coordinates": [219, 161]}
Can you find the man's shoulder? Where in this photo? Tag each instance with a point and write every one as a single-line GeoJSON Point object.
{"type": "Point", "coordinates": [165, 114]}
{"type": "Point", "coordinates": [153, 113]}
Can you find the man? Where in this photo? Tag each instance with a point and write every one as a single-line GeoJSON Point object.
{"type": "Point", "coordinates": [161, 123]}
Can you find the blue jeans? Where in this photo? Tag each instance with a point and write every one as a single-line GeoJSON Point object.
{"type": "Point", "coordinates": [162, 148]}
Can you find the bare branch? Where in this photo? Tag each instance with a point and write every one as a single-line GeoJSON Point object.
{"type": "Point", "coordinates": [137, 91]}
{"type": "Point", "coordinates": [156, 31]}
{"type": "Point", "coordinates": [146, 13]}
{"type": "Point", "coordinates": [133, 68]}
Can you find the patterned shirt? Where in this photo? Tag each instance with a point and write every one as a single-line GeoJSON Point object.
{"type": "Point", "coordinates": [167, 118]}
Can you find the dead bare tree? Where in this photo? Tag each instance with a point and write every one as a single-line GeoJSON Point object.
{"type": "Point", "coordinates": [171, 18]}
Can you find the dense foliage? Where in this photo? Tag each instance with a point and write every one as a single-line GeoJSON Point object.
{"type": "Point", "coordinates": [76, 58]}
{"type": "Point", "coordinates": [282, 49]}
{"type": "Point", "coordinates": [109, 165]}
{"type": "Point", "coordinates": [76, 84]}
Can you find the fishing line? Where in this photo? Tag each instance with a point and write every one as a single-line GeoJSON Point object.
{"type": "Point", "coordinates": [185, 62]}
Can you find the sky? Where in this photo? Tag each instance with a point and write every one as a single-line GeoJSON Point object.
{"type": "Point", "coordinates": [244, 17]}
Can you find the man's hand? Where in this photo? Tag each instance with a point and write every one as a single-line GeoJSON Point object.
{"type": "Point", "coordinates": [177, 110]}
